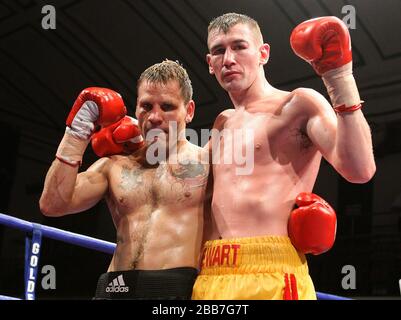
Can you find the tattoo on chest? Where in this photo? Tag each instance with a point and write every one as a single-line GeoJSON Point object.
{"type": "Point", "coordinates": [190, 170]}
{"type": "Point", "coordinates": [187, 174]}
{"type": "Point", "coordinates": [168, 183]}
{"type": "Point", "coordinates": [163, 183]}
{"type": "Point", "coordinates": [130, 178]}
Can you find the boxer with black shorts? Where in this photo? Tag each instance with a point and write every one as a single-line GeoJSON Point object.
{"type": "Point", "coordinates": [156, 200]}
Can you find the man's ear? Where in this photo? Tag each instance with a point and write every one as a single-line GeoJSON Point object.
{"type": "Point", "coordinates": [264, 53]}
{"type": "Point", "coordinates": [208, 58]}
{"type": "Point", "coordinates": [190, 111]}
{"type": "Point", "coordinates": [136, 111]}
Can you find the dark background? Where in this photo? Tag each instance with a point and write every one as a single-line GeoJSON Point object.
{"type": "Point", "coordinates": [109, 43]}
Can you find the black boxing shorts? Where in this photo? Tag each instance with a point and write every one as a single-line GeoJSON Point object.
{"type": "Point", "coordinates": [168, 284]}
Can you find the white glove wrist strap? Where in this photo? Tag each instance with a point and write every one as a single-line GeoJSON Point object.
{"type": "Point", "coordinates": [71, 149]}
{"type": "Point", "coordinates": [341, 87]}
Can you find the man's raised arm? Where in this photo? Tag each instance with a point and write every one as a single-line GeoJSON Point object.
{"type": "Point", "coordinates": [66, 191]}
{"type": "Point", "coordinates": [325, 43]}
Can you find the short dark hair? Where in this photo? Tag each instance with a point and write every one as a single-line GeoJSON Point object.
{"type": "Point", "coordinates": [228, 20]}
{"type": "Point", "coordinates": [166, 71]}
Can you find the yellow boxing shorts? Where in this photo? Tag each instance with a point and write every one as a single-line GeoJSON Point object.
{"type": "Point", "coordinates": [257, 268]}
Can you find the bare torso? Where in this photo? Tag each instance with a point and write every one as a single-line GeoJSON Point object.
{"type": "Point", "coordinates": [157, 211]}
{"type": "Point", "coordinates": [285, 163]}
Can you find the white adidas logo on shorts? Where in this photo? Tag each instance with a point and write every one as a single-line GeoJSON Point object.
{"type": "Point", "coordinates": [117, 285]}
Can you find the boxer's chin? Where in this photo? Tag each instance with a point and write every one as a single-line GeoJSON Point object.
{"type": "Point", "coordinates": [158, 140]}
{"type": "Point", "coordinates": [232, 86]}
{"type": "Point", "coordinates": [156, 135]}
{"type": "Point", "coordinates": [161, 141]}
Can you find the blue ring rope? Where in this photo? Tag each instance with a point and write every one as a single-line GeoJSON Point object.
{"type": "Point", "coordinates": [60, 235]}
{"type": "Point", "coordinates": [88, 242]}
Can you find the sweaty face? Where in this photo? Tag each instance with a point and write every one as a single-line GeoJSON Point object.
{"type": "Point", "coordinates": [161, 108]}
{"type": "Point", "coordinates": [234, 57]}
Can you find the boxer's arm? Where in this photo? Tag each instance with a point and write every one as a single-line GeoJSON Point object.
{"type": "Point", "coordinates": [343, 139]}
{"type": "Point", "coordinates": [66, 192]}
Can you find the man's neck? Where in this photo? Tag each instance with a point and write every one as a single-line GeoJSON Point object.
{"type": "Point", "coordinates": [259, 90]}
{"type": "Point", "coordinates": [163, 154]}
{"type": "Point", "coordinates": [175, 149]}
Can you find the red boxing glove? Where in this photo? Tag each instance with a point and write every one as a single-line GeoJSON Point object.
{"type": "Point", "coordinates": [312, 227]}
{"type": "Point", "coordinates": [123, 136]}
{"type": "Point", "coordinates": [94, 106]}
{"type": "Point", "coordinates": [323, 42]}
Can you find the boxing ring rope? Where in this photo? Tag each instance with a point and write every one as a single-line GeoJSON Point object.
{"type": "Point", "coordinates": [60, 235]}
{"type": "Point", "coordinates": [33, 246]}
{"type": "Point", "coordinates": [32, 250]}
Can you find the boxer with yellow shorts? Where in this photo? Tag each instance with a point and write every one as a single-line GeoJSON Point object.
{"type": "Point", "coordinates": [285, 135]}
{"type": "Point", "coordinates": [269, 267]}
{"type": "Point", "coordinates": [266, 268]}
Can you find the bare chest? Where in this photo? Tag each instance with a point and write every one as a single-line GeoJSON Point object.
{"type": "Point", "coordinates": [260, 137]}
{"type": "Point", "coordinates": [133, 187]}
